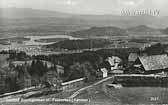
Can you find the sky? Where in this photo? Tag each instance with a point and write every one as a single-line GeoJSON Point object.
{"type": "Point", "coordinates": [89, 6]}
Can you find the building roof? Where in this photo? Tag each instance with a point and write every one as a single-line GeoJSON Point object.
{"type": "Point", "coordinates": [105, 64]}
{"type": "Point", "coordinates": [59, 67]}
{"type": "Point", "coordinates": [29, 62]}
{"type": "Point", "coordinates": [155, 62]}
{"type": "Point", "coordinates": [104, 70]}
{"type": "Point", "coordinates": [132, 57]}
{"type": "Point", "coordinates": [73, 81]}
{"type": "Point", "coordinates": [117, 71]}
{"type": "Point", "coordinates": [113, 60]}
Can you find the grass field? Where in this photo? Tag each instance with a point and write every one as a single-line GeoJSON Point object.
{"type": "Point", "coordinates": [102, 95]}
{"type": "Point", "coordinates": [140, 95]}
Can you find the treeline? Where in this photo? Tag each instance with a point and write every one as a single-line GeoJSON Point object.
{"type": "Point", "coordinates": [79, 44]}
{"type": "Point", "coordinates": [16, 55]}
{"type": "Point", "coordinates": [22, 76]}
{"type": "Point", "coordinates": [93, 58]}
{"type": "Point", "coordinates": [76, 65]}
{"type": "Point", "coordinates": [100, 32]}
{"type": "Point", "coordinates": [156, 49]}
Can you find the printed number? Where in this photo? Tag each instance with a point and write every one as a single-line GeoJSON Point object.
{"type": "Point", "coordinates": [154, 98]}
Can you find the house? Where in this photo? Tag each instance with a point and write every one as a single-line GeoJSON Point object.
{"type": "Point", "coordinates": [104, 72]}
{"type": "Point", "coordinates": [3, 60]}
{"type": "Point", "coordinates": [25, 81]}
{"type": "Point", "coordinates": [51, 79]}
{"type": "Point", "coordinates": [116, 72]}
{"type": "Point", "coordinates": [112, 65]}
{"type": "Point", "coordinates": [4, 57]}
{"type": "Point", "coordinates": [20, 63]}
{"type": "Point", "coordinates": [60, 69]}
{"type": "Point", "coordinates": [114, 62]}
{"type": "Point", "coordinates": [151, 64]}
{"type": "Point", "coordinates": [3, 77]}
{"type": "Point", "coordinates": [132, 57]}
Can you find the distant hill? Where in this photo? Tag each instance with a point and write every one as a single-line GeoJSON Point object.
{"type": "Point", "coordinates": [164, 31]}
{"type": "Point", "coordinates": [16, 13]}
{"type": "Point", "coordinates": [156, 49]}
{"type": "Point", "coordinates": [143, 29]}
{"type": "Point", "coordinates": [100, 32]}
{"type": "Point", "coordinates": [86, 20]}
{"type": "Point", "coordinates": [26, 21]}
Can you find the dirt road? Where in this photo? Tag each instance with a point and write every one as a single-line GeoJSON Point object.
{"type": "Point", "coordinates": [82, 89]}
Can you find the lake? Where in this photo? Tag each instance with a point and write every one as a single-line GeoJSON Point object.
{"type": "Point", "coordinates": [33, 39]}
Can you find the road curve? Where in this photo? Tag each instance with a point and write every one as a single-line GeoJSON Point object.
{"type": "Point", "coordinates": [82, 89]}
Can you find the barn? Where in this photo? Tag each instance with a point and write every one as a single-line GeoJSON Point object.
{"type": "Point", "coordinates": [151, 64]}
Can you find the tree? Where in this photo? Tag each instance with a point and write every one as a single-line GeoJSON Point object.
{"type": "Point", "coordinates": [75, 71]}
{"type": "Point", "coordinates": [89, 71]}
{"type": "Point", "coordinates": [85, 69]}
{"type": "Point", "coordinates": [11, 82]}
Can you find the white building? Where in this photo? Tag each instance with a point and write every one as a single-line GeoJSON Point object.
{"type": "Point", "coordinates": [105, 72]}
{"type": "Point", "coordinates": [114, 62]}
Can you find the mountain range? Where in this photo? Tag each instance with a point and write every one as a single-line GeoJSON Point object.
{"type": "Point", "coordinates": [23, 21]}
{"type": "Point", "coordinates": [100, 32]}
{"type": "Point", "coordinates": [19, 13]}
{"type": "Point", "coordinates": [115, 31]}
{"type": "Point", "coordinates": [144, 30]}
{"type": "Point", "coordinates": [94, 20]}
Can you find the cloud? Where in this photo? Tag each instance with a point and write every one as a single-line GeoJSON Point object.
{"type": "Point", "coordinates": [68, 2]}
{"type": "Point", "coordinates": [131, 2]}
{"type": "Point", "coordinates": [88, 6]}
{"type": "Point", "coordinates": [72, 2]}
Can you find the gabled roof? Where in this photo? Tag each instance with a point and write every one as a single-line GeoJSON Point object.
{"type": "Point", "coordinates": [132, 57]}
{"type": "Point", "coordinates": [113, 60]}
{"type": "Point", "coordinates": [73, 81]}
{"type": "Point", "coordinates": [104, 70]}
{"type": "Point", "coordinates": [155, 62]}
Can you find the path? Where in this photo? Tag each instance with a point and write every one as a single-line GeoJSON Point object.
{"type": "Point", "coordinates": [82, 89]}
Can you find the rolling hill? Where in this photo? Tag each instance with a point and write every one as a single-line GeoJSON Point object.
{"type": "Point", "coordinates": [26, 21]}
{"type": "Point", "coordinates": [18, 13]}
{"type": "Point", "coordinates": [144, 30]}
{"type": "Point", "coordinates": [27, 14]}
{"type": "Point", "coordinates": [100, 32]}
{"type": "Point", "coordinates": [164, 31]}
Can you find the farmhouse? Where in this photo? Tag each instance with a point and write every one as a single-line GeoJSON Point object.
{"type": "Point", "coordinates": [114, 62]}
{"type": "Point", "coordinates": [20, 63]}
{"type": "Point", "coordinates": [112, 65]}
{"type": "Point", "coordinates": [60, 69]}
{"type": "Point", "coordinates": [151, 64]}
{"type": "Point", "coordinates": [51, 79]}
{"type": "Point", "coordinates": [104, 72]}
{"type": "Point", "coordinates": [132, 57]}
{"type": "Point", "coordinates": [24, 81]}
{"type": "Point", "coordinates": [3, 60]}
{"type": "Point", "coordinates": [3, 77]}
